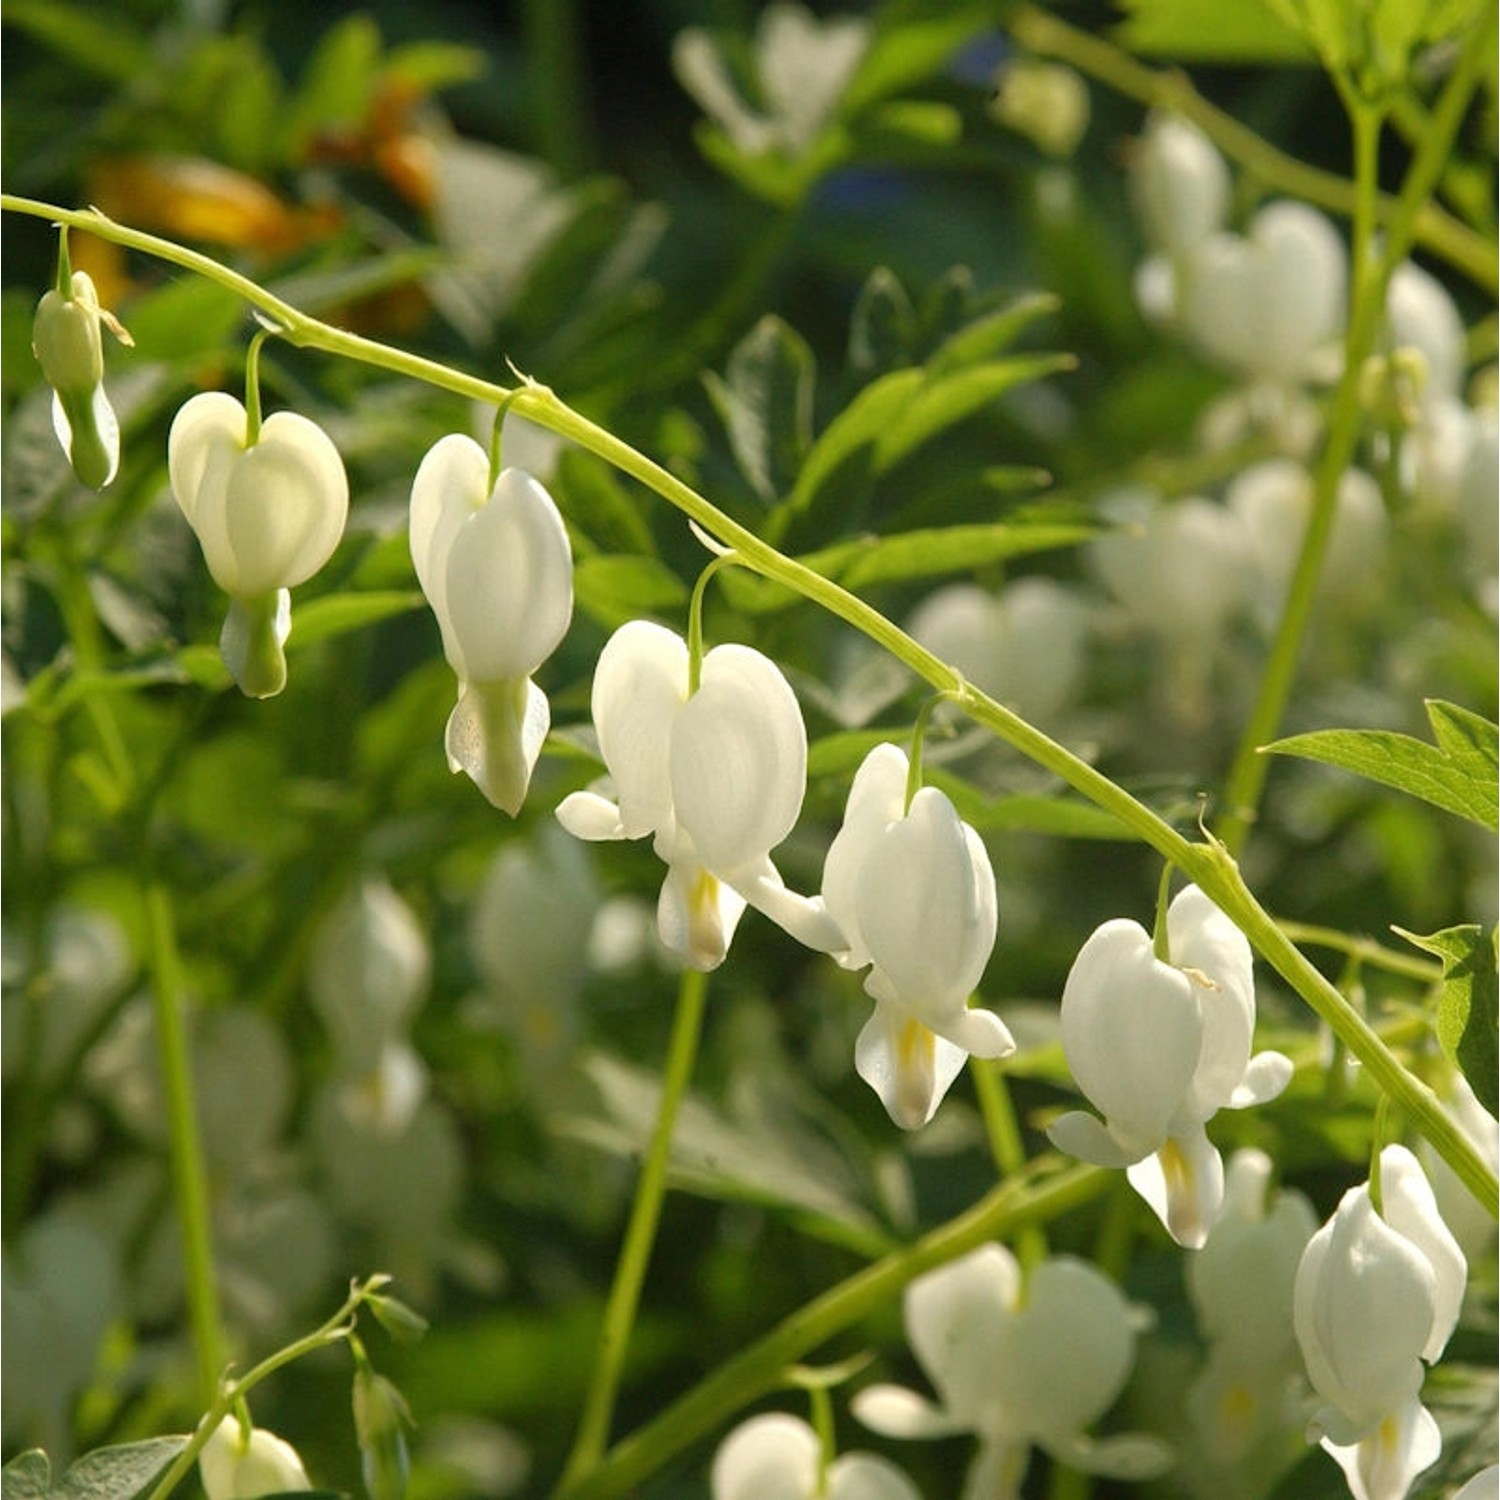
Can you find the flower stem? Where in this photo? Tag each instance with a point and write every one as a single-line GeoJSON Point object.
{"type": "Point", "coordinates": [762, 1367]}
{"type": "Point", "coordinates": [189, 1179]}
{"type": "Point", "coordinates": [1007, 1149]}
{"type": "Point", "coordinates": [640, 1235]}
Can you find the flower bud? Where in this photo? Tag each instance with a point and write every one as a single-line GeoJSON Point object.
{"type": "Point", "coordinates": [380, 1421]}
{"type": "Point", "coordinates": [238, 1465]}
{"type": "Point", "coordinates": [66, 340]}
{"type": "Point", "coordinates": [1180, 185]}
{"type": "Point", "coordinates": [1046, 102]}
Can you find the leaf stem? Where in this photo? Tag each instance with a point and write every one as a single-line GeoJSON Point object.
{"type": "Point", "coordinates": [640, 1235]}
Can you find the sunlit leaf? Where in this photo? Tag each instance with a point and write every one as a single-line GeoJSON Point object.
{"type": "Point", "coordinates": [1221, 31]}
{"type": "Point", "coordinates": [88, 35]}
{"type": "Point", "coordinates": [1458, 774]}
{"type": "Point", "coordinates": [1468, 1028]}
{"type": "Point", "coordinates": [616, 589]}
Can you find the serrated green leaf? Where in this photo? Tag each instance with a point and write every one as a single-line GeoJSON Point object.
{"type": "Point", "coordinates": [1458, 774]}
{"type": "Point", "coordinates": [28, 1476]}
{"type": "Point", "coordinates": [616, 589]}
{"type": "Point", "coordinates": [338, 614]}
{"type": "Point", "coordinates": [1468, 1028]}
{"type": "Point", "coordinates": [118, 1473]}
{"type": "Point", "coordinates": [1221, 31]}
{"type": "Point", "coordinates": [765, 402]}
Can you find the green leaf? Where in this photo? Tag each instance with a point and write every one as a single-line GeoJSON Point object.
{"type": "Point", "coordinates": [907, 555]}
{"type": "Point", "coordinates": [28, 1476]}
{"type": "Point", "coordinates": [98, 44]}
{"type": "Point", "coordinates": [1458, 774]}
{"type": "Point", "coordinates": [338, 81]}
{"type": "Point", "coordinates": [1467, 1026]}
{"type": "Point", "coordinates": [430, 66]}
{"type": "Point", "coordinates": [947, 399]}
{"type": "Point", "coordinates": [594, 500]}
{"type": "Point", "coordinates": [992, 333]}
{"type": "Point", "coordinates": [338, 614]}
{"type": "Point", "coordinates": [616, 589]}
{"type": "Point", "coordinates": [1222, 31]}
{"type": "Point", "coordinates": [883, 323]}
{"type": "Point", "coordinates": [765, 402]}
{"type": "Point", "coordinates": [118, 1473]}
{"type": "Point", "coordinates": [910, 122]}
{"type": "Point", "coordinates": [914, 40]}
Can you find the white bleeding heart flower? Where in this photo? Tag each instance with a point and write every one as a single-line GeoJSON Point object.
{"type": "Point", "coordinates": [778, 1457]}
{"type": "Point", "coordinates": [238, 1465]}
{"type": "Point", "coordinates": [1268, 304]}
{"type": "Point", "coordinates": [1019, 1366]}
{"type": "Point", "coordinates": [1376, 1294]}
{"type": "Point", "coordinates": [912, 890]}
{"type": "Point", "coordinates": [1421, 315]}
{"type": "Point", "coordinates": [496, 567]}
{"type": "Point", "coordinates": [1159, 1048]}
{"type": "Point", "coordinates": [1179, 186]}
{"type": "Point", "coordinates": [715, 776]}
{"type": "Point", "coordinates": [267, 514]}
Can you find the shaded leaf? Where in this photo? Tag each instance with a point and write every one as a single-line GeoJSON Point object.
{"type": "Point", "coordinates": [87, 36]}
{"type": "Point", "coordinates": [616, 589]}
{"type": "Point", "coordinates": [1458, 774]}
{"type": "Point", "coordinates": [883, 323]}
{"type": "Point", "coordinates": [1467, 1024]}
{"type": "Point", "coordinates": [118, 1473]}
{"type": "Point", "coordinates": [337, 614]}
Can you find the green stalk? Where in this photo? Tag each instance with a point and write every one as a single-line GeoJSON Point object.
{"type": "Point", "coordinates": [762, 1367]}
{"type": "Point", "coordinates": [1007, 1149]}
{"type": "Point", "coordinates": [640, 1235]}
{"type": "Point", "coordinates": [1248, 771]}
{"type": "Point", "coordinates": [189, 1179]}
{"type": "Point", "coordinates": [1208, 864]}
{"type": "Point", "coordinates": [1436, 230]}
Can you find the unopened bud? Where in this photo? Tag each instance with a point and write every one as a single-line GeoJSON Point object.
{"type": "Point", "coordinates": [1046, 102]}
{"type": "Point", "coordinates": [380, 1422]}
{"type": "Point", "coordinates": [66, 340]}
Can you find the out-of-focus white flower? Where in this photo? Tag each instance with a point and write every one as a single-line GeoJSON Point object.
{"type": "Point", "coordinates": [1485, 1485]}
{"type": "Point", "coordinates": [1046, 102]}
{"type": "Point", "coordinates": [66, 340]}
{"type": "Point", "coordinates": [1159, 1048]}
{"type": "Point", "coordinates": [803, 66]}
{"type": "Point", "coordinates": [912, 890]}
{"type": "Point", "coordinates": [1179, 185]}
{"type": "Point", "coordinates": [1268, 305]}
{"type": "Point", "coordinates": [267, 514]}
{"type": "Point", "coordinates": [496, 567]}
{"type": "Point", "coordinates": [716, 777]}
{"type": "Point", "coordinates": [367, 972]}
{"type": "Point", "coordinates": [1178, 568]}
{"type": "Point", "coordinates": [1243, 1403]}
{"type": "Point", "coordinates": [1421, 315]}
{"type": "Point", "coordinates": [779, 1457]}
{"type": "Point", "coordinates": [236, 1465]}
{"type": "Point", "coordinates": [1023, 646]}
{"type": "Point", "coordinates": [1377, 1294]}
{"type": "Point", "coordinates": [1180, 188]}
{"type": "Point", "coordinates": [1273, 502]}
{"type": "Point", "coordinates": [1019, 1367]}
{"type": "Point", "coordinates": [1469, 1220]}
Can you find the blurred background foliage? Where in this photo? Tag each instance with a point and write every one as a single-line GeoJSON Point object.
{"type": "Point", "coordinates": [426, 1038]}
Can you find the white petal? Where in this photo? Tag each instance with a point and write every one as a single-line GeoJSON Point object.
{"type": "Point", "coordinates": [1266, 1076]}
{"type": "Point", "coordinates": [925, 905]}
{"type": "Point", "coordinates": [587, 815]}
{"type": "Point", "coordinates": [770, 1457]}
{"type": "Point", "coordinates": [738, 759]}
{"type": "Point", "coordinates": [1485, 1485]}
{"type": "Point", "coordinates": [1125, 1455]}
{"type": "Point", "coordinates": [510, 582]}
{"type": "Point", "coordinates": [640, 686]}
{"type": "Point", "coordinates": [804, 917]}
{"type": "Point", "coordinates": [909, 1066]}
{"type": "Point", "coordinates": [865, 1476]}
{"type": "Point", "coordinates": [1132, 1030]}
{"type": "Point", "coordinates": [1362, 1306]}
{"type": "Point", "coordinates": [1083, 1136]}
{"type": "Point", "coordinates": [1410, 1208]}
{"type": "Point", "coordinates": [234, 1469]}
{"type": "Point", "coordinates": [1202, 940]}
{"type": "Point", "coordinates": [452, 483]}
{"type": "Point", "coordinates": [495, 734]}
{"type": "Point", "coordinates": [957, 1319]}
{"type": "Point", "coordinates": [1183, 1183]}
{"type": "Point", "coordinates": [877, 798]}
{"type": "Point", "coordinates": [978, 1032]}
{"type": "Point", "coordinates": [1067, 1352]}
{"type": "Point", "coordinates": [1383, 1465]}
{"type": "Point", "coordinates": [207, 436]}
{"type": "Point", "coordinates": [696, 915]}
{"type": "Point", "coordinates": [895, 1412]}
{"type": "Point", "coordinates": [306, 543]}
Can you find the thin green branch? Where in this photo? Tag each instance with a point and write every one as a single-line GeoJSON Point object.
{"type": "Point", "coordinates": [1364, 950]}
{"type": "Point", "coordinates": [640, 1235]}
{"type": "Point", "coordinates": [1434, 229]}
{"type": "Point", "coordinates": [1007, 1149]}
